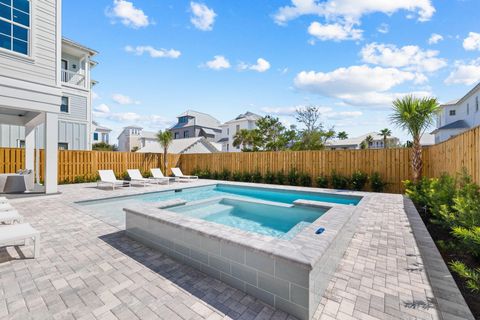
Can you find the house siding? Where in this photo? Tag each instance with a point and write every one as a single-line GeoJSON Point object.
{"type": "Point", "coordinates": [78, 106]}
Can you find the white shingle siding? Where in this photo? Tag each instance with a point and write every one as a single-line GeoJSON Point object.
{"type": "Point", "coordinates": [77, 108]}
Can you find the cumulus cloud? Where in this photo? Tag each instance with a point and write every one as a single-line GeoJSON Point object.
{"type": "Point", "coordinates": [127, 118]}
{"type": "Point", "coordinates": [327, 113]}
{"type": "Point", "coordinates": [467, 73]}
{"type": "Point", "coordinates": [123, 99]}
{"type": "Point", "coordinates": [128, 14]}
{"type": "Point", "coordinates": [262, 65]}
{"type": "Point", "coordinates": [95, 95]}
{"type": "Point", "coordinates": [202, 17]}
{"type": "Point", "coordinates": [383, 28]}
{"type": "Point", "coordinates": [435, 38]}
{"type": "Point", "coordinates": [102, 108]}
{"type": "Point", "coordinates": [218, 63]}
{"type": "Point", "coordinates": [356, 85]}
{"type": "Point", "coordinates": [412, 58]}
{"type": "Point", "coordinates": [154, 53]}
{"type": "Point", "coordinates": [336, 31]}
{"type": "Point", "coordinates": [472, 42]}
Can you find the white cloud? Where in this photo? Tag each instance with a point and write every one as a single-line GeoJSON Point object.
{"type": "Point", "coordinates": [154, 53]}
{"type": "Point", "coordinates": [102, 108]}
{"type": "Point", "coordinates": [383, 28]}
{"type": "Point", "coordinates": [472, 42]}
{"type": "Point", "coordinates": [467, 73]}
{"type": "Point", "coordinates": [435, 38]}
{"type": "Point", "coordinates": [95, 95]}
{"type": "Point", "coordinates": [128, 14]}
{"type": "Point", "coordinates": [327, 113]}
{"type": "Point", "coordinates": [218, 63]}
{"type": "Point", "coordinates": [352, 10]}
{"type": "Point", "coordinates": [154, 122]}
{"type": "Point", "coordinates": [356, 85]}
{"type": "Point", "coordinates": [123, 99]}
{"type": "Point", "coordinates": [336, 31]}
{"type": "Point", "coordinates": [412, 58]}
{"type": "Point", "coordinates": [203, 17]}
{"type": "Point", "coordinates": [262, 65]}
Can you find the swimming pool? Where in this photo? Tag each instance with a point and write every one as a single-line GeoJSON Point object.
{"type": "Point", "coordinates": [110, 210]}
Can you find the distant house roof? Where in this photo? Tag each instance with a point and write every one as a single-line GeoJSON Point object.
{"type": "Point", "coordinates": [99, 127]}
{"type": "Point", "coordinates": [201, 120]}
{"type": "Point", "coordinates": [179, 146]}
{"type": "Point", "coordinates": [148, 135]}
{"type": "Point", "coordinates": [208, 131]}
{"type": "Point", "coordinates": [459, 124]}
{"type": "Point", "coordinates": [462, 99]}
{"type": "Point", "coordinates": [357, 140]}
{"type": "Point", "coordinates": [223, 140]}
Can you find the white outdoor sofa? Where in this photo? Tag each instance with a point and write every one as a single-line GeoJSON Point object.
{"type": "Point", "coordinates": [157, 174]}
{"type": "Point", "coordinates": [108, 177]}
{"type": "Point", "coordinates": [10, 234]}
{"type": "Point", "coordinates": [181, 177]}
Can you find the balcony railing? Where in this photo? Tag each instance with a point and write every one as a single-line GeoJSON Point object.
{"type": "Point", "coordinates": [73, 78]}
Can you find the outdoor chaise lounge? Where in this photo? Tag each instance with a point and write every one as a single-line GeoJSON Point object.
{"type": "Point", "coordinates": [108, 177]}
{"type": "Point", "coordinates": [178, 174]}
{"type": "Point", "coordinates": [17, 232]}
{"type": "Point", "coordinates": [10, 217]}
{"type": "Point", "coordinates": [136, 177]}
{"type": "Point", "coordinates": [6, 207]}
{"type": "Point", "coordinates": [3, 200]}
{"type": "Point", "coordinates": [157, 174]}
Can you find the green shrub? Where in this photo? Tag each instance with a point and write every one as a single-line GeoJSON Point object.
{"type": "Point", "coordinates": [376, 182]}
{"type": "Point", "coordinates": [215, 175]}
{"type": "Point", "coordinates": [79, 179]}
{"type": "Point", "coordinates": [305, 180]}
{"type": "Point", "coordinates": [225, 175]}
{"type": "Point", "coordinates": [257, 177]}
{"type": "Point", "coordinates": [237, 176]}
{"type": "Point", "coordinates": [293, 177]}
{"type": "Point", "coordinates": [269, 177]}
{"type": "Point", "coordinates": [358, 180]}
{"type": "Point", "coordinates": [246, 177]}
{"type": "Point", "coordinates": [322, 181]}
{"type": "Point", "coordinates": [280, 178]}
{"type": "Point", "coordinates": [339, 181]}
{"type": "Point", "coordinates": [469, 239]}
{"type": "Point", "coordinates": [471, 276]}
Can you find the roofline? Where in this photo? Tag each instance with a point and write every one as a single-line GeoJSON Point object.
{"type": "Point", "coordinates": [80, 46]}
{"type": "Point", "coordinates": [465, 97]}
{"type": "Point", "coordinates": [207, 114]}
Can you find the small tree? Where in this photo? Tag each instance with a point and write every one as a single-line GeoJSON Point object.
{"type": "Point", "coordinates": [165, 139]}
{"type": "Point", "coordinates": [368, 141]}
{"type": "Point", "coordinates": [342, 135]}
{"type": "Point", "coordinates": [385, 133]}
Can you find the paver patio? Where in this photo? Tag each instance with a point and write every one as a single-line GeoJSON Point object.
{"type": "Point", "coordinates": [88, 269]}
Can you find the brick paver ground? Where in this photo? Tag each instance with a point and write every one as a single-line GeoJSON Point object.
{"type": "Point", "coordinates": [89, 270]}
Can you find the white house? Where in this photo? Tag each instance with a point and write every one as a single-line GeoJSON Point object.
{"type": "Point", "coordinates": [100, 133]}
{"type": "Point", "coordinates": [458, 116]}
{"type": "Point", "coordinates": [247, 120]}
{"type": "Point", "coordinates": [134, 138]}
{"type": "Point", "coordinates": [355, 143]}
{"type": "Point", "coordinates": [75, 116]}
{"type": "Point", "coordinates": [183, 146]}
{"type": "Point", "coordinates": [192, 124]}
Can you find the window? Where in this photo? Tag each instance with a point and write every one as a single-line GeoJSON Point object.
{"type": "Point", "coordinates": [186, 134]}
{"type": "Point", "coordinates": [64, 105]}
{"type": "Point", "coordinates": [468, 108]}
{"type": "Point", "coordinates": [62, 145]}
{"type": "Point", "coordinates": [238, 128]}
{"type": "Point", "coordinates": [15, 25]}
{"type": "Point", "coordinates": [183, 119]}
{"type": "Point", "coordinates": [452, 112]}
{"type": "Point", "coordinates": [228, 147]}
{"type": "Point", "coordinates": [177, 135]}
{"type": "Point", "coordinates": [228, 131]}
{"type": "Point", "coordinates": [476, 103]}
{"type": "Point", "coordinates": [95, 136]}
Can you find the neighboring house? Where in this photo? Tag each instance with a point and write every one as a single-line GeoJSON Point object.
{"type": "Point", "coordinates": [247, 121]}
{"type": "Point", "coordinates": [182, 146]}
{"type": "Point", "coordinates": [100, 133]}
{"type": "Point", "coordinates": [458, 116]}
{"type": "Point", "coordinates": [196, 124]}
{"type": "Point", "coordinates": [134, 138]}
{"type": "Point", "coordinates": [74, 112]}
{"type": "Point", "coordinates": [355, 143]}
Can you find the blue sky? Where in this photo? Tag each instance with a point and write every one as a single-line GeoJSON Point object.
{"type": "Point", "coordinates": [158, 58]}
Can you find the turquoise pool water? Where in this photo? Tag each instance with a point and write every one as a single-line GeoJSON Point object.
{"type": "Point", "coordinates": [110, 210]}
{"type": "Point", "coordinates": [266, 219]}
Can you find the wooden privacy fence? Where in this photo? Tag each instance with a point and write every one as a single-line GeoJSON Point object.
{"type": "Point", "coordinates": [462, 151]}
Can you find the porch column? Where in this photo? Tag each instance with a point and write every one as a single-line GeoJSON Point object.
{"type": "Point", "coordinates": [51, 152]}
{"type": "Point", "coordinates": [30, 147]}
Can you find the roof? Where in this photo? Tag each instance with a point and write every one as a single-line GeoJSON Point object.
{"type": "Point", "coordinates": [223, 140]}
{"type": "Point", "coordinates": [79, 46]}
{"type": "Point", "coordinates": [178, 146]}
{"type": "Point", "coordinates": [459, 124]}
{"type": "Point", "coordinates": [201, 119]}
{"type": "Point", "coordinates": [99, 127]}
{"type": "Point", "coordinates": [249, 116]}
{"type": "Point", "coordinates": [208, 131]}
{"type": "Point", "coordinates": [148, 135]}
{"type": "Point", "coordinates": [465, 97]}
{"type": "Point", "coordinates": [357, 140]}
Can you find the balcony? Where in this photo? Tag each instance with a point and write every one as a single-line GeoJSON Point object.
{"type": "Point", "coordinates": [72, 78]}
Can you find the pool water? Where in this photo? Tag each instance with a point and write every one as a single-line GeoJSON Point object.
{"type": "Point", "coordinates": [111, 211]}
{"type": "Point", "coordinates": [267, 219]}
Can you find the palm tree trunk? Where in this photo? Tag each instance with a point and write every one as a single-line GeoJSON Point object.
{"type": "Point", "coordinates": [165, 162]}
{"type": "Point", "coordinates": [417, 163]}
{"type": "Point", "coordinates": [384, 142]}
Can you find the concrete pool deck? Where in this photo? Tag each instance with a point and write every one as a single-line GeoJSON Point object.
{"type": "Point", "coordinates": [89, 269]}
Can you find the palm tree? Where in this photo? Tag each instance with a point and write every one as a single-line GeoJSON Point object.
{"type": "Point", "coordinates": [415, 115]}
{"type": "Point", "coordinates": [342, 135]}
{"type": "Point", "coordinates": [165, 139]}
{"type": "Point", "coordinates": [242, 139]}
{"type": "Point", "coordinates": [368, 141]}
{"type": "Point", "coordinates": [385, 133]}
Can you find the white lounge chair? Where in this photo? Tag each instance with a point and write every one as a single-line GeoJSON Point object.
{"type": "Point", "coordinates": [108, 177]}
{"type": "Point", "coordinates": [17, 232]}
{"type": "Point", "coordinates": [178, 174]}
{"type": "Point", "coordinates": [3, 200]}
{"type": "Point", "coordinates": [157, 174]}
{"type": "Point", "coordinates": [6, 207]}
{"type": "Point", "coordinates": [136, 177]}
{"type": "Point", "coordinates": [10, 217]}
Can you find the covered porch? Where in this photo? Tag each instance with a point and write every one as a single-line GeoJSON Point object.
{"type": "Point", "coordinates": [41, 132]}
